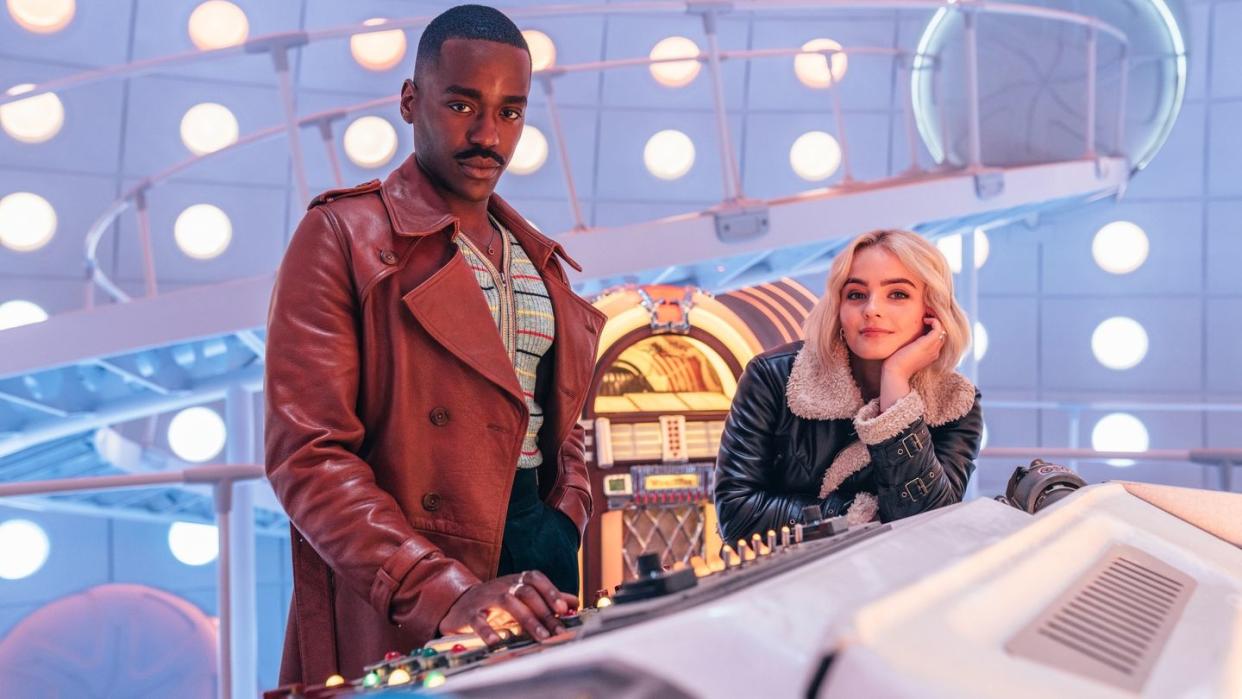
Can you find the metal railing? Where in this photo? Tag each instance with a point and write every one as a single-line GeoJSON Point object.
{"type": "Point", "coordinates": [277, 47]}
{"type": "Point", "coordinates": [1224, 460]}
{"type": "Point", "coordinates": [231, 547]}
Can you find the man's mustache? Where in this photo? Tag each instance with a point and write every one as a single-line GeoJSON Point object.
{"type": "Point", "coordinates": [480, 153]}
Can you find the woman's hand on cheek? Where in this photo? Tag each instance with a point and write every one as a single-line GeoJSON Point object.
{"type": "Point", "coordinates": [916, 355]}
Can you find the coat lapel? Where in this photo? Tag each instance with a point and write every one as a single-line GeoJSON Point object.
{"type": "Point", "coordinates": [578, 326]}
{"type": "Point", "coordinates": [449, 305]}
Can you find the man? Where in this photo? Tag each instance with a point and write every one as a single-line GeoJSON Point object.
{"type": "Point", "coordinates": [427, 365]}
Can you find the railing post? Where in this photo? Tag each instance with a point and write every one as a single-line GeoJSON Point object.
{"type": "Point", "coordinates": [912, 136]}
{"type": "Point", "coordinates": [847, 172]}
{"type": "Point", "coordinates": [975, 155]}
{"type": "Point", "coordinates": [728, 162]}
{"type": "Point", "coordinates": [1075, 428]}
{"type": "Point", "coordinates": [278, 46]}
{"type": "Point", "coordinates": [1121, 99]}
{"type": "Point", "coordinates": [968, 297]}
{"type": "Point", "coordinates": [144, 235]}
{"type": "Point", "coordinates": [223, 490]}
{"type": "Point", "coordinates": [329, 145]}
{"type": "Point", "coordinates": [562, 150]}
{"type": "Point", "coordinates": [1092, 57]}
{"type": "Point", "coordinates": [244, 642]}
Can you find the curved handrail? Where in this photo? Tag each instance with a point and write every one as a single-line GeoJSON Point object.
{"type": "Point", "coordinates": [123, 202]}
{"type": "Point", "coordinates": [264, 42]}
{"type": "Point", "coordinates": [276, 45]}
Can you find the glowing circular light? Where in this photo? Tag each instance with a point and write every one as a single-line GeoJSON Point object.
{"type": "Point", "coordinates": [24, 548]}
{"type": "Point", "coordinates": [370, 141]}
{"type": "Point", "coordinates": [42, 16]}
{"type": "Point", "coordinates": [217, 24]}
{"type": "Point", "coordinates": [542, 50]}
{"type": "Point", "coordinates": [980, 341]}
{"type": "Point", "coordinates": [203, 231]}
{"type": "Point", "coordinates": [16, 313]}
{"type": "Point", "coordinates": [208, 127]}
{"type": "Point", "coordinates": [1120, 247]}
{"type": "Point", "coordinates": [1119, 343]}
{"type": "Point", "coordinates": [815, 156]}
{"type": "Point", "coordinates": [812, 68]}
{"type": "Point", "coordinates": [34, 119]}
{"type": "Point", "coordinates": [531, 152]}
{"type": "Point", "coordinates": [951, 247]}
{"type": "Point", "coordinates": [1119, 432]}
{"type": "Point", "coordinates": [380, 50]}
{"type": "Point", "coordinates": [194, 544]}
{"type": "Point", "coordinates": [669, 154]}
{"type": "Point", "coordinates": [675, 73]}
{"type": "Point", "coordinates": [398, 676]}
{"type": "Point", "coordinates": [27, 221]}
{"type": "Point", "coordinates": [197, 434]}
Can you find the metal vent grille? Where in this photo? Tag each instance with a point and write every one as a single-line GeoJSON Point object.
{"type": "Point", "coordinates": [1112, 623]}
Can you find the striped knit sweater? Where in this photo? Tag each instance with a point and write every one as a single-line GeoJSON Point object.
{"type": "Point", "coordinates": [520, 306]}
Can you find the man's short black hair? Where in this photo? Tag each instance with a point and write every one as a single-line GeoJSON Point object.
{"type": "Point", "coordinates": [467, 22]}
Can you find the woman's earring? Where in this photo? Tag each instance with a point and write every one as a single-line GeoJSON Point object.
{"type": "Point", "coordinates": [841, 332]}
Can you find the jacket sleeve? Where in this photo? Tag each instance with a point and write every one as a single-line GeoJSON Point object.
{"type": "Point", "coordinates": [313, 437]}
{"type": "Point", "coordinates": [916, 468]}
{"type": "Point", "coordinates": [745, 503]}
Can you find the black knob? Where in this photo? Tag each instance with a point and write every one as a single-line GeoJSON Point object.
{"type": "Point", "coordinates": [649, 565]}
{"type": "Point", "coordinates": [812, 514]}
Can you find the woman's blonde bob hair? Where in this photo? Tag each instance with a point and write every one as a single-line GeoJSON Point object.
{"type": "Point", "coordinates": [924, 260]}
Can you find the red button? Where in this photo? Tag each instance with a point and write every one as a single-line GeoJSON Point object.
{"type": "Point", "coordinates": [459, 648]}
{"type": "Point", "coordinates": [391, 655]}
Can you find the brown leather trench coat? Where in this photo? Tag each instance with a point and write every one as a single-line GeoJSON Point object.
{"type": "Point", "coordinates": [394, 418]}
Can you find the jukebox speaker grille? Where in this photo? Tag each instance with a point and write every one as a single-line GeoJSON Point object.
{"type": "Point", "coordinates": [676, 533]}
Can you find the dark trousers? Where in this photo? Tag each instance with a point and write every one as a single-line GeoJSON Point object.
{"type": "Point", "coordinates": [538, 537]}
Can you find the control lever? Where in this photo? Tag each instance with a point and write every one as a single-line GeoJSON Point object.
{"type": "Point", "coordinates": [817, 527]}
{"type": "Point", "coordinates": [654, 581]}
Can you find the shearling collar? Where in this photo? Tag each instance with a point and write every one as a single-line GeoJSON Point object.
{"type": "Point", "coordinates": [816, 391]}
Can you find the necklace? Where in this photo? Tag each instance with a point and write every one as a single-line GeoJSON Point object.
{"type": "Point", "coordinates": [491, 242]}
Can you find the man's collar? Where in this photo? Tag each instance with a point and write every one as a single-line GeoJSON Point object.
{"type": "Point", "coordinates": [416, 208]}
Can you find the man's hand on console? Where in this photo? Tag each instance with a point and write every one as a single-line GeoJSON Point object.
{"type": "Point", "coordinates": [529, 599]}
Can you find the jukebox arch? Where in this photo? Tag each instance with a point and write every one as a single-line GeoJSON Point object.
{"type": "Point", "coordinates": [666, 371]}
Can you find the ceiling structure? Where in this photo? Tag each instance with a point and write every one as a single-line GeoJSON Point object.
{"type": "Point", "coordinates": [651, 171]}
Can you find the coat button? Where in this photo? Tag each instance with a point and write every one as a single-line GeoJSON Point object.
{"type": "Point", "coordinates": [431, 502]}
{"type": "Point", "coordinates": [439, 417]}
{"type": "Point", "coordinates": [388, 257]}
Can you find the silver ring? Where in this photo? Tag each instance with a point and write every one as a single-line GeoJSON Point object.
{"type": "Point", "coordinates": [520, 582]}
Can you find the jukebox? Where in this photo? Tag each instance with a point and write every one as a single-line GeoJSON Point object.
{"type": "Point", "coordinates": [668, 364]}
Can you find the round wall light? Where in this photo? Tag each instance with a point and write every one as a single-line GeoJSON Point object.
{"type": "Point", "coordinates": [675, 73]}
{"type": "Point", "coordinates": [669, 154]}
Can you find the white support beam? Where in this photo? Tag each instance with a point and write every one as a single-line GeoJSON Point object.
{"type": "Point", "coordinates": [827, 214]}
{"type": "Point", "coordinates": [160, 321]}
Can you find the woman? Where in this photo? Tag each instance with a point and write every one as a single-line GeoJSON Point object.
{"type": "Point", "coordinates": [867, 417]}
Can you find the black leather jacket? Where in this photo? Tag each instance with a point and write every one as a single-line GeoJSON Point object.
{"type": "Point", "coordinates": [772, 462]}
